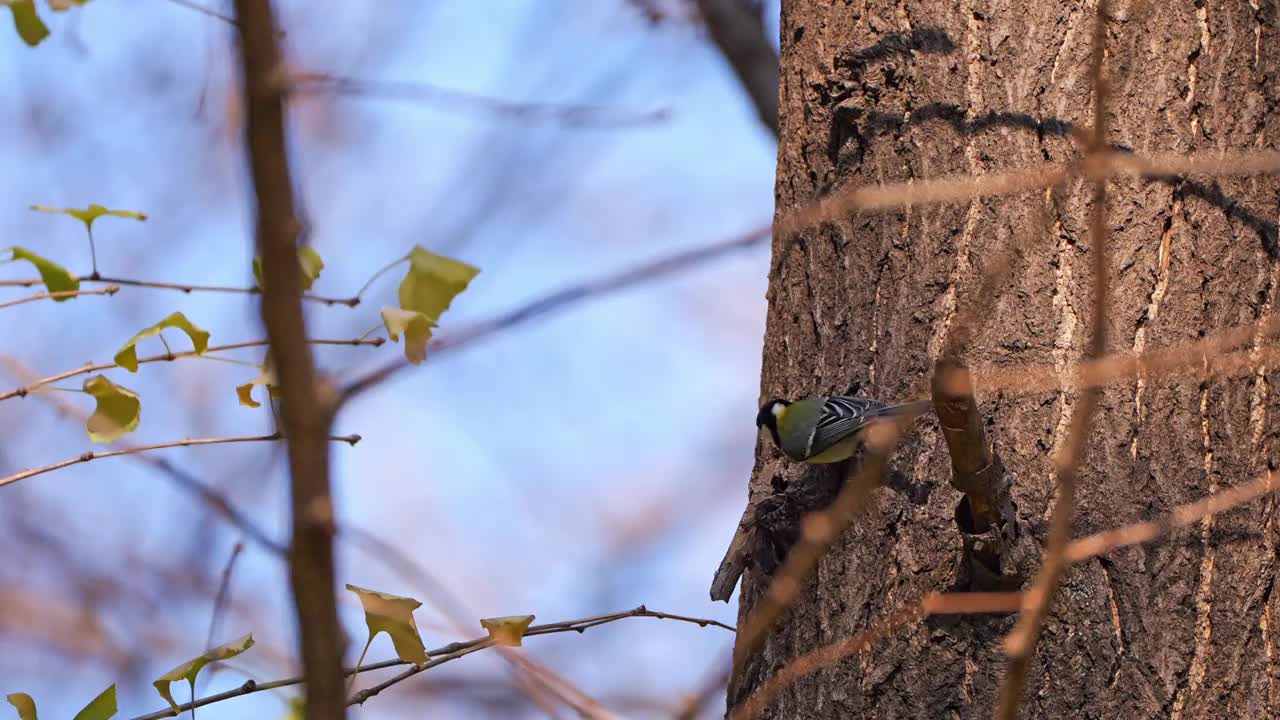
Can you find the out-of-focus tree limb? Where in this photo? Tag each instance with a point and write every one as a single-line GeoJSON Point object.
{"type": "Point", "coordinates": [307, 407]}
{"type": "Point", "coordinates": [738, 30]}
{"type": "Point", "coordinates": [564, 298]}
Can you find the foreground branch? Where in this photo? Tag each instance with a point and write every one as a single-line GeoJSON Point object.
{"type": "Point", "coordinates": [307, 407]}
{"type": "Point", "coordinates": [1020, 644]}
{"type": "Point", "coordinates": [440, 655]}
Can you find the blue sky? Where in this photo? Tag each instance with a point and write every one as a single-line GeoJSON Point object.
{"type": "Point", "coordinates": [580, 464]}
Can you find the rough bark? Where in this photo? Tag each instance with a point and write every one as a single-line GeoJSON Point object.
{"type": "Point", "coordinates": [888, 90]}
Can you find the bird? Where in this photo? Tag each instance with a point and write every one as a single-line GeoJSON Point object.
{"type": "Point", "coordinates": [825, 428]}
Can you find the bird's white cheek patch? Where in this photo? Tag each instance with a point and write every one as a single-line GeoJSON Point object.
{"type": "Point", "coordinates": [777, 410]}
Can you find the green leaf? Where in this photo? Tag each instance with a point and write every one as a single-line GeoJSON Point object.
{"type": "Point", "coordinates": [103, 707]}
{"type": "Point", "coordinates": [25, 705]}
{"type": "Point", "coordinates": [189, 669]}
{"type": "Point", "coordinates": [507, 630]}
{"type": "Point", "coordinates": [127, 356]}
{"type": "Point", "coordinates": [309, 262]}
{"type": "Point", "coordinates": [393, 615]}
{"type": "Point", "coordinates": [296, 709]}
{"type": "Point", "coordinates": [415, 327]}
{"type": "Point", "coordinates": [118, 412]}
{"type": "Point", "coordinates": [91, 213]}
{"type": "Point", "coordinates": [432, 282]}
{"type": "Point", "coordinates": [56, 278]}
{"type": "Point", "coordinates": [27, 21]}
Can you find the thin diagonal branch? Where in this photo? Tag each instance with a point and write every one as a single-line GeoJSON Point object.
{"type": "Point", "coordinates": [183, 287]}
{"type": "Point", "coordinates": [166, 357]}
{"type": "Point", "coordinates": [307, 406]}
{"type": "Point", "coordinates": [564, 299]}
{"type": "Point", "coordinates": [134, 449]}
{"type": "Point", "coordinates": [1020, 644]}
{"type": "Point", "coordinates": [108, 290]}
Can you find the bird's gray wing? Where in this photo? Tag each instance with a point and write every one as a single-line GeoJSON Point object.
{"type": "Point", "coordinates": [841, 417]}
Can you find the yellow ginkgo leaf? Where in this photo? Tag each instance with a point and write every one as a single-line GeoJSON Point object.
{"type": "Point", "coordinates": [55, 277]}
{"type": "Point", "coordinates": [432, 282]}
{"type": "Point", "coordinates": [507, 630]}
{"type": "Point", "coordinates": [189, 669]}
{"type": "Point", "coordinates": [127, 356]}
{"type": "Point", "coordinates": [118, 413]}
{"type": "Point", "coordinates": [393, 614]}
{"type": "Point", "coordinates": [102, 707]}
{"type": "Point", "coordinates": [415, 327]}
{"type": "Point", "coordinates": [25, 705]}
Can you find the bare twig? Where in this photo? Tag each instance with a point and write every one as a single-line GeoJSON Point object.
{"type": "Point", "coordinates": [134, 449]}
{"type": "Point", "coordinates": [565, 298]}
{"type": "Point", "coordinates": [108, 290]}
{"type": "Point", "coordinates": [1021, 642]}
{"type": "Point", "coordinates": [451, 651]}
{"type": "Point", "coordinates": [738, 30]}
{"type": "Point", "coordinates": [224, 592]}
{"type": "Point", "coordinates": [308, 407]}
{"type": "Point", "coordinates": [167, 357]}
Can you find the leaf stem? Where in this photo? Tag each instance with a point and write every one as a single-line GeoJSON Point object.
{"type": "Point", "coordinates": [351, 682]}
{"type": "Point", "coordinates": [378, 274]}
{"type": "Point", "coordinates": [93, 252]}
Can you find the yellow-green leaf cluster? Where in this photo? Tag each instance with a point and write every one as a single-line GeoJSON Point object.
{"type": "Point", "coordinates": [127, 356]}
{"type": "Point", "coordinates": [507, 630]}
{"type": "Point", "coordinates": [189, 669]}
{"type": "Point", "coordinates": [309, 263]}
{"type": "Point", "coordinates": [427, 290]}
{"type": "Point", "coordinates": [118, 411]}
{"type": "Point", "coordinates": [55, 277]}
{"type": "Point", "coordinates": [393, 614]}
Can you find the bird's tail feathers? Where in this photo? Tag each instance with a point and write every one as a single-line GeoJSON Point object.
{"type": "Point", "coordinates": [911, 408]}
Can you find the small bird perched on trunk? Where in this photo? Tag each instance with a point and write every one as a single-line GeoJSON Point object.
{"type": "Point", "coordinates": [826, 428]}
{"type": "Point", "coordinates": [818, 430]}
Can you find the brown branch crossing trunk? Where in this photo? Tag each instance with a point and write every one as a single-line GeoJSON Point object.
{"type": "Point", "coordinates": [307, 405]}
{"type": "Point", "coordinates": [891, 90]}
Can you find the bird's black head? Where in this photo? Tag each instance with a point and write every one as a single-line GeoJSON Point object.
{"type": "Point", "coordinates": [768, 417]}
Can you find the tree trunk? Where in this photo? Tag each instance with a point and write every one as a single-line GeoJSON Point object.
{"type": "Point", "coordinates": [884, 91]}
